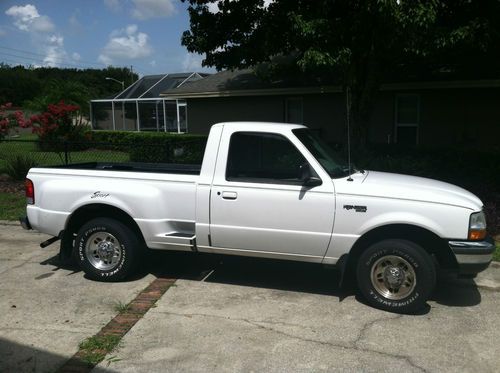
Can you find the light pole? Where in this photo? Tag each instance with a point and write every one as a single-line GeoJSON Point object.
{"type": "Point", "coordinates": [116, 80]}
{"type": "Point", "coordinates": [123, 106]}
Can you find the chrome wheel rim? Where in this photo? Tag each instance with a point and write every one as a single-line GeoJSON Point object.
{"type": "Point", "coordinates": [393, 277]}
{"type": "Point", "coordinates": [103, 251]}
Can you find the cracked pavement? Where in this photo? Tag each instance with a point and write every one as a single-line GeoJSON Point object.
{"type": "Point", "coordinates": [228, 314]}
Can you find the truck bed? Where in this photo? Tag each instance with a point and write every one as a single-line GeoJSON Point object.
{"type": "Point", "coordinates": [164, 168]}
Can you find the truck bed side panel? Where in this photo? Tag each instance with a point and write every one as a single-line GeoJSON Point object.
{"type": "Point", "coordinates": [161, 204]}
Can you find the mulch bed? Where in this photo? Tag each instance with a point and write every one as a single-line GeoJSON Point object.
{"type": "Point", "coordinates": [11, 186]}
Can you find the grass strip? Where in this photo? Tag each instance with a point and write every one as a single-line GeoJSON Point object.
{"type": "Point", "coordinates": [496, 253]}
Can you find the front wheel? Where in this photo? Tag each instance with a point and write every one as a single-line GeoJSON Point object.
{"type": "Point", "coordinates": [396, 275]}
{"type": "Point", "coordinates": [107, 250]}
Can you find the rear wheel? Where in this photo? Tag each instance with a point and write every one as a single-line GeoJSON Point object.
{"type": "Point", "coordinates": [396, 275]}
{"type": "Point", "coordinates": [107, 250]}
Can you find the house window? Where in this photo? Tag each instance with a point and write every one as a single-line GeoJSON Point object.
{"type": "Point", "coordinates": [294, 110]}
{"type": "Point", "coordinates": [407, 119]}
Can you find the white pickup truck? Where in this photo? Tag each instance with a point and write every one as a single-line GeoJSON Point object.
{"type": "Point", "coordinates": [267, 190]}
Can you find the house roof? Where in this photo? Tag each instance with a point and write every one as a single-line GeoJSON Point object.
{"type": "Point", "coordinates": [247, 82]}
{"type": "Point", "coordinates": [244, 82]}
{"type": "Point", "coordinates": [150, 86]}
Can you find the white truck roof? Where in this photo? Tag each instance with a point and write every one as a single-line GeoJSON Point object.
{"type": "Point", "coordinates": [260, 126]}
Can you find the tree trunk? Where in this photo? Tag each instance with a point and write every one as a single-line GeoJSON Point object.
{"type": "Point", "coordinates": [363, 82]}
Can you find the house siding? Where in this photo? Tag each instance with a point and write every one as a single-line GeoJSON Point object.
{"type": "Point", "coordinates": [447, 117]}
{"type": "Point", "coordinates": [204, 112]}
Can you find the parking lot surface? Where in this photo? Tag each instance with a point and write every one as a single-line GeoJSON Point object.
{"type": "Point", "coordinates": [237, 314]}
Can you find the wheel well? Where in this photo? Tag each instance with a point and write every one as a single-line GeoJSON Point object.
{"type": "Point", "coordinates": [92, 211]}
{"type": "Point", "coordinates": [430, 242]}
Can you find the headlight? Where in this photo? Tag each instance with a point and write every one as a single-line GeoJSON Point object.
{"type": "Point", "coordinates": [477, 226]}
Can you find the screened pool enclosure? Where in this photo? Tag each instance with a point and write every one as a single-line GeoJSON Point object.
{"type": "Point", "coordinates": [140, 107]}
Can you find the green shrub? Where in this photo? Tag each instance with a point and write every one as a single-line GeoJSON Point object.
{"type": "Point", "coordinates": [17, 166]}
{"type": "Point", "coordinates": [153, 146]}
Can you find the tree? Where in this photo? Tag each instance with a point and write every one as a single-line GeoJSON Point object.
{"type": "Point", "coordinates": [37, 87]}
{"type": "Point", "coordinates": [356, 43]}
{"type": "Point", "coordinates": [54, 91]}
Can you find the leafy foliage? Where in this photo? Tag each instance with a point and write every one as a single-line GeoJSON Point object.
{"type": "Point", "coordinates": [43, 85]}
{"type": "Point", "coordinates": [17, 166]}
{"type": "Point", "coordinates": [356, 43]}
{"type": "Point", "coordinates": [72, 92]}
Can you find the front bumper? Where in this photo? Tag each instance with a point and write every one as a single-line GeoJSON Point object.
{"type": "Point", "coordinates": [473, 256]}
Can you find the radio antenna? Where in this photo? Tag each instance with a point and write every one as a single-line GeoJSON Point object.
{"type": "Point", "coordinates": [348, 113]}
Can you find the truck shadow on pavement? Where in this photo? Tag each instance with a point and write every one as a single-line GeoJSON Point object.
{"type": "Point", "coordinates": [290, 276]}
{"type": "Point", "coordinates": [279, 275]}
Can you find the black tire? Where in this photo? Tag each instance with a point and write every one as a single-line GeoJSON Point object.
{"type": "Point", "coordinates": [116, 258]}
{"type": "Point", "coordinates": [396, 275]}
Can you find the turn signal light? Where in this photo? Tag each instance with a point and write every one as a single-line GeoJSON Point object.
{"type": "Point", "coordinates": [477, 226]}
{"type": "Point", "coordinates": [29, 189]}
{"type": "Point", "coordinates": [477, 234]}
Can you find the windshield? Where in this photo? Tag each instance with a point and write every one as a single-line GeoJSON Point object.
{"type": "Point", "coordinates": [325, 155]}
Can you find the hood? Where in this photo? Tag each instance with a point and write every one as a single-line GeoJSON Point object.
{"type": "Point", "coordinates": [397, 186]}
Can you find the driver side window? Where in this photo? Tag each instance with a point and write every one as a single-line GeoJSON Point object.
{"type": "Point", "coordinates": [263, 158]}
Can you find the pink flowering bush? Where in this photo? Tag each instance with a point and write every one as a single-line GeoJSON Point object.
{"type": "Point", "coordinates": [58, 124]}
{"type": "Point", "coordinates": [10, 121]}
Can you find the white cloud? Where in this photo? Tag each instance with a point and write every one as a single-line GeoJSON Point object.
{"type": "Point", "coordinates": [126, 44]}
{"type": "Point", "coordinates": [153, 63]}
{"type": "Point", "coordinates": [113, 5]}
{"type": "Point", "coordinates": [214, 7]}
{"type": "Point", "coordinates": [146, 9]}
{"type": "Point", "coordinates": [42, 24]}
{"type": "Point", "coordinates": [76, 56]}
{"type": "Point", "coordinates": [27, 18]}
{"type": "Point", "coordinates": [192, 62]}
{"type": "Point", "coordinates": [54, 51]}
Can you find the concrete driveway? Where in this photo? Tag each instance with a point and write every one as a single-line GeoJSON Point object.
{"type": "Point", "coordinates": [237, 314]}
{"type": "Point", "coordinates": [46, 311]}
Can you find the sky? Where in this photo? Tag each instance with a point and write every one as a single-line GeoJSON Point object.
{"type": "Point", "coordinates": [144, 34]}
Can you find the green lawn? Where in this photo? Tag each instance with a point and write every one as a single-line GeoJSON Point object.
{"type": "Point", "coordinates": [12, 206]}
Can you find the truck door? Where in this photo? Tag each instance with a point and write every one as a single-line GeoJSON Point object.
{"type": "Point", "coordinates": [258, 202]}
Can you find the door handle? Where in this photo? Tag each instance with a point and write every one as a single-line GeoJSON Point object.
{"type": "Point", "coordinates": [229, 195]}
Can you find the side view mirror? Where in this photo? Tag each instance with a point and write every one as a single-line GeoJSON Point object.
{"type": "Point", "coordinates": [308, 176]}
